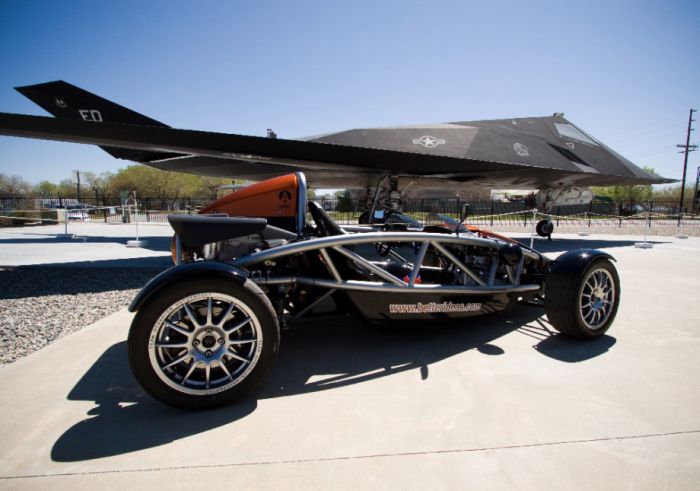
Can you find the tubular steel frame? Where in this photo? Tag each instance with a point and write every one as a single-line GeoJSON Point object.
{"type": "Point", "coordinates": [391, 283]}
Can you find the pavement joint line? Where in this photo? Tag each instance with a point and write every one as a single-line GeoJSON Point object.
{"type": "Point", "coordinates": [357, 457]}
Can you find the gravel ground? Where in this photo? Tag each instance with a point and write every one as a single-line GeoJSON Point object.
{"type": "Point", "coordinates": [39, 305]}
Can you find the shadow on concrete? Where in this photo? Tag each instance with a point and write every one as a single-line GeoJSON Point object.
{"type": "Point", "coordinates": [39, 281]}
{"type": "Point", "coordinates": [153, 243]}
{"type": "Point", "coordinates": [562, 348]}
{"type": "Point", "coordinates": [316, 355]}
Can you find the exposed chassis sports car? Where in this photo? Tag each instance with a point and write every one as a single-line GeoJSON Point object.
{"type": "Point", "coordinates": [207, 330]}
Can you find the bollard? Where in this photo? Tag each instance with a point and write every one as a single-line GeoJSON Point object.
{"type": "Point", "coordinates": [137, 242]}
{"type": "Point", "coordinates": [534, 229]}
{"type": "Point", "coordinates": [679, 231]}
{"type": "Point", "coordinates": [65, 234]}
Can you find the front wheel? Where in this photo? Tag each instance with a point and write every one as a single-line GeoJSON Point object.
{"type": "Point", "coordinates": [203, 343]}
{"type": "Point", "coordinates": [582, 302]}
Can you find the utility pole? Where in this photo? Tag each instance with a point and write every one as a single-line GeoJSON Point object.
{"type": "Point", "coordinates": [687, 148]}
{"type": "Point", "coordinates": [77, 173]}
{"type": "Point", "coordinates": [696, 194]}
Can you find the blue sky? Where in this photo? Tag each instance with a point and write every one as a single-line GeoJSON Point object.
{"type": "Point", "coordinates": [625, 71]}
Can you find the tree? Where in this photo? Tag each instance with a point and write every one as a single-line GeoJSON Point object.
{"type": "Point", "coordinates": [100, 185]}
{"type": "Point", "coordinates": [14, 185]}
{"type": "Point", "coordinates": [46, 189]}
{"type": "Point", "coordinates": [213, 185]}
{"type": "Point", "coordinates": [631, 194]}
{"type": "Point", "coordinates": [66, 188]}
{"type": "Point", "coordinates": [155, 183]}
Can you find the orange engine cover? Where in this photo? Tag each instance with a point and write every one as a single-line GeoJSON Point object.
{"type": "Point", "coordinates": [275, 199]}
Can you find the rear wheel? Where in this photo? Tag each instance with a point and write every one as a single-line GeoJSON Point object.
{"type": "Point", "coordinates": [583, 303]}
{"type": "Point", "coordinates": [203, 343]}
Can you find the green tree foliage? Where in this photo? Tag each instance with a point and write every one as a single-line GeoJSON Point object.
{"type": "Point", "coordinates": [14, 185]}
{"type": "Point", "coordinates": [99, 185]}
{"type": "Point", "coordinates": [155, 183]}
{"type": "Point", "coordinates": [632, 194]}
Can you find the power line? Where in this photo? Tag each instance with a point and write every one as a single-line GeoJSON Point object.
{"type": "Point", "coordinates": [687, 148]}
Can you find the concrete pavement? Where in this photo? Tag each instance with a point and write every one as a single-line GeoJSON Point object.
{"type": "Point", "coordinates": [500, 402]}
{"type": "Point", "coordinates": [94, 245]}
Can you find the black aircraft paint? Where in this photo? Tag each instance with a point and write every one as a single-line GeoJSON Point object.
{"type": "Point", "coordinates": [538, 152]}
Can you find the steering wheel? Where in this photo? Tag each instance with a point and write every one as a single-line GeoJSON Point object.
{"type": "Point", "coordinates": [326, 225]}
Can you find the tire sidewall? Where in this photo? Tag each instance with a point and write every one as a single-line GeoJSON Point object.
{"type": "Point", "coordinates": [598, 263]}
{"type": "Point", "coordinates": [145, 319]}
{"type": "Point", "coordinates": [563, 299]}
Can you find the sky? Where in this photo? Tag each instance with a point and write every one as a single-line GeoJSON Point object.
{"type": "Point", "coordinates": [626, 72]}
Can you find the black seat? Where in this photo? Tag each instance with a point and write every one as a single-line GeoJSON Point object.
{"type": "Point", "coordinates": [326, 225]}
{"type": "Point", "coordinates": [197, 230]}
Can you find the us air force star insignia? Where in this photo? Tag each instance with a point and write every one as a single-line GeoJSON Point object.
{"type": "Point", "coordinates": [60, 102]}
{"type": "Point", "coordinates": [521, 150]}
{"type": "Point", "coordinates": [429, 141]}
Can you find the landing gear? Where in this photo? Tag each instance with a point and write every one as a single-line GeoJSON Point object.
{"type": "Point", "coordinates": [387, 203]}
{"type": "Point", "coordinates": [545, 228]}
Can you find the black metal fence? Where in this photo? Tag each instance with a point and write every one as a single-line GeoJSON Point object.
{"type": "Point", "coordinates": [485, 212]}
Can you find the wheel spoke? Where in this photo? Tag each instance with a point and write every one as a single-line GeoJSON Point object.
{"type": "Point", "coordinates": [179, 329]}
{"type": "Point", "coordinates": [223, 367]}
{"type": "Point", "coordinates": [172, 345]}
{"type": "Point", "coordinates": [210, 307]}
{"type": "Point", "coordinates": [177, 360]}
{"type": "Point", "coordinates": [235, 328]}
{"type": "Point", "coordinates": [189, 372]}
{"type": "Point", "coordinates": [225, 315]}
{"type": "Point", "coordinates": [237, 357]}
{"type": "Point", "coordinates": [191, 315]}
{"type": "Point", "coordinates": [207, 373]}
{"type": "Point", "coordinates": [243, 341]}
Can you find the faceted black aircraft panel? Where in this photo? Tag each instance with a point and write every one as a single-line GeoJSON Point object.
{"type": "Point", "coordinates": [540, 152]}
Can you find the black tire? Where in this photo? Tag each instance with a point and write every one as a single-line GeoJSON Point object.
{"type": "Point", "coordinates": [566, 294]}
{"type": "Point", "coordinates": [544, 228]}
{"type": "Point", "coordinates": [214, 371]}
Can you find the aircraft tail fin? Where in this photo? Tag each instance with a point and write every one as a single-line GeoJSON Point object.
{"type": "Point", "coordinates": [67, 101]}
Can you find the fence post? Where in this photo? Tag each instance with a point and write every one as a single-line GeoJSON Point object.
{"type": "Point", "coordinates": [491, 213]}
{"type": "Point", "coordinates": [558, 214]}
{"type": "Point", "coordinates": [619, 212]}
{"type": "Point", "coordinates": [590, 210]}
{"type": "Point", "coordinates": [651, 207]}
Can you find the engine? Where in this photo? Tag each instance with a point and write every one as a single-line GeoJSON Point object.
{"type": "Point", "coordinates": [233, 248]}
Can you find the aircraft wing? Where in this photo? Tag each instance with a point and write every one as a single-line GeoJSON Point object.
{"type": "Point", "coordinates": [541, 152]}
{"type": "Point", "coordinates": [326, 163]}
